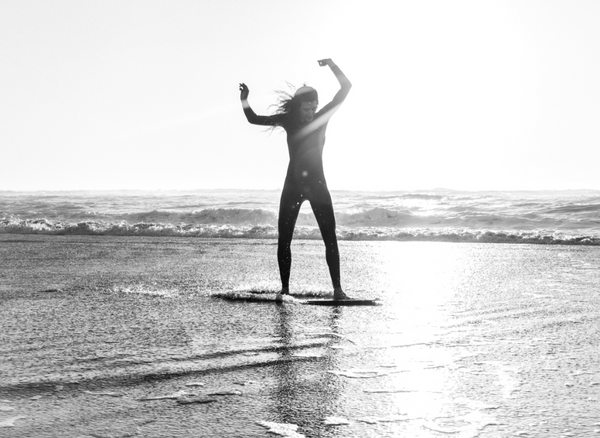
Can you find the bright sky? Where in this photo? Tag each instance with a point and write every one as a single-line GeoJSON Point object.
{"type": "Point", "coordinates": [143, 94]}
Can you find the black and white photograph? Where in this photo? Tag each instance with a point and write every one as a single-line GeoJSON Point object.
{"type": "Point", "coordinates": [299, 219]}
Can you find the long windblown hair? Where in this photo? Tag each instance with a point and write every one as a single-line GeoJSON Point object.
{"type": "Point", "coordinates": [288, 102]}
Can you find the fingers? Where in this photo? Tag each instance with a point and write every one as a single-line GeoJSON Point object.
{"type": "Point", "coordinates": [243, 87]}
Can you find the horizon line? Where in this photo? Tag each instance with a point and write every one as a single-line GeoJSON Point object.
{"type": "Point", "coordinates": [436, 189]}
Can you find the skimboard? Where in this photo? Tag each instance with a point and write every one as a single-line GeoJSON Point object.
{"type": "Point", "coordinates": [348, 302]}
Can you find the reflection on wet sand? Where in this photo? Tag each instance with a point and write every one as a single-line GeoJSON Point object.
{"type": "Point", "coordinates": [305, 393]}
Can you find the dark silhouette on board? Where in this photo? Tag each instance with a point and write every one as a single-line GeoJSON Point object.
{"type": "Point", "coordinates": [305, 179]}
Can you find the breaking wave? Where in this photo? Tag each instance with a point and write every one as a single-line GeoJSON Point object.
{"type": "Point", "coordinates": [509, 217]}
{"type": "Point", "coordinates": [266, 231]}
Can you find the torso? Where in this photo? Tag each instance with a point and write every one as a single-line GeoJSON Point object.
{"type": "Point", "coordinates": [305, 146]}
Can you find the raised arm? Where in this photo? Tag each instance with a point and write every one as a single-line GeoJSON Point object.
{"type": "Point", "coordinates": [345, 85]}
{"type": "Point", "coordinates": [251, 115]}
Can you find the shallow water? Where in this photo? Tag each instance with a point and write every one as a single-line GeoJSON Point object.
{"type": "Point", "coordinates": [109, 336]}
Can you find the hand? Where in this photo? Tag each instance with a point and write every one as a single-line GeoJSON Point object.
{"type": "Point", "coordinates": [324, 62]}
{"type": "Point", "coordinates": [244, 91]}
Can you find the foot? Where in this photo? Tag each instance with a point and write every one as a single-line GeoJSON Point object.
{"type": "Point", "coordinates": [338, 294]}
{"type": "Point", "coordinates": [279, 296]}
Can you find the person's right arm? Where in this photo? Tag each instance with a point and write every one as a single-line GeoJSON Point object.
{"type": "Point", "coordinates": [251, 115]}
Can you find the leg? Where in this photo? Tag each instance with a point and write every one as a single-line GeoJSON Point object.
{"type": "Point", "coordinates": [289, 207]}
{"type": "Point", "coordinates": [323, 210]}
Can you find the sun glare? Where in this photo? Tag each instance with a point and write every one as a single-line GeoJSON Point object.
{"type": "Point", "coordinates": [425, 278]}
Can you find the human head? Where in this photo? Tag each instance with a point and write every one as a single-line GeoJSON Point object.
{"type": "Point", "coordinates": [306, 102]}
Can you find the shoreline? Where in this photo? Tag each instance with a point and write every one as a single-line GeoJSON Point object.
{"type": "Point", "coordinates": [304, 233]}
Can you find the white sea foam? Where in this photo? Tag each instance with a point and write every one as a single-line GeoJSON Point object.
{"type": "Point", "coordinates": [282, 429]}
{"type": "Point", "coordinates": [442, 215]}
{"type": "Point", "coordinates": [174, 396]}
{"type": "Point", "coordinates": [336, 421]}
{"type": "Point", "coordinates": [308, 355]}
{"type": "Point", "coordinates": [10, 422]}
{"type": "Point", "coordinates": [144, 289]}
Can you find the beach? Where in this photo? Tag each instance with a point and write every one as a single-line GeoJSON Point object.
{"type": "Point", "coordinates": [161, 156]}
{"type": "Point", "coordinates": [117, 336]}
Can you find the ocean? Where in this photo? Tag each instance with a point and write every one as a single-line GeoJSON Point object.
{"type": "Point", "coordinates": [545, 217]}
{"type": "Point", "coordinates": [126, 314]}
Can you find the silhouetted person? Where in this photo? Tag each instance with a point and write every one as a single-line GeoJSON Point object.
{"type": "Point", "coordinates": [305, 180]}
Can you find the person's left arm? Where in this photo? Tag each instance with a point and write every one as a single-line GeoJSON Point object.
{"type": "Point", "coordinates": [345, 86]}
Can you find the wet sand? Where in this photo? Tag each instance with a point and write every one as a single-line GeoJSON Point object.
{"type": "Point", "coordinates": [122, 336]}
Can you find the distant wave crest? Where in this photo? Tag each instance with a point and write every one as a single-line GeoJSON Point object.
{"type": "Point", "coordinates": [311, 232]}
{"type": "Point", "coordinates": [207, 216]}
